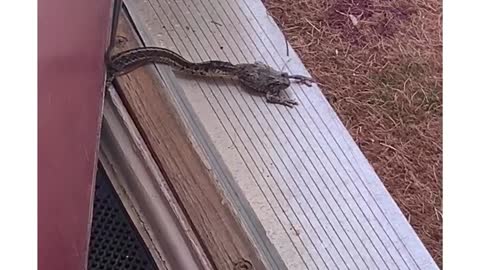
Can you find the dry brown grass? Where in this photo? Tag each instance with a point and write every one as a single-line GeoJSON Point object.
{"type": "Point", "coordinates": [380, 65]}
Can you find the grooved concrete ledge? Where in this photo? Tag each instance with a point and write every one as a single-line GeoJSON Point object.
{"type": "Point", "coordinates": [295, 176]}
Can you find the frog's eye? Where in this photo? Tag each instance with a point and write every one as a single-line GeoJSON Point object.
{"type": "Point", "coordinates": [284, 74]}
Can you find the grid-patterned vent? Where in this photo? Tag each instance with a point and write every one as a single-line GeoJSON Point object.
{"type": "Point", "coordinates": [114, 241]}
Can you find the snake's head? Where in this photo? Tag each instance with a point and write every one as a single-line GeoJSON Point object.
{"type": "Point", "coordinates": [262, 77]}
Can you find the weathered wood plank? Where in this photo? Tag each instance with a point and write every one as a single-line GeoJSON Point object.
{"type": "Point", "coordinates": [156, 117]}
{"type": "Point", "coordinates": [145, 193]}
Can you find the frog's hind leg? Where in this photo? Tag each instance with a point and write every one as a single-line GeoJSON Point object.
{"type": "Point", "coordinates": [276, 98]}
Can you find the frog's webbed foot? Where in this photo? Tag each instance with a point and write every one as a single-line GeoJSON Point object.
{"type": "Point", "coordinates": [302, 79]}
{"type": "Point", "coordinates": [282, 100]}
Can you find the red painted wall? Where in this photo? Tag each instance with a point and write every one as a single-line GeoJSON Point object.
{"type": "Point", "coordinates": [72, 39]}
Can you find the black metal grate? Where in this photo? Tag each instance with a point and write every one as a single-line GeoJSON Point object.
{"type": "Point", "coordinates": [114, 241]}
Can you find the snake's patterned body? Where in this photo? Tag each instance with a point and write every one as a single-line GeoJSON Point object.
{"type": "Point", "coordinates": [258, 76]}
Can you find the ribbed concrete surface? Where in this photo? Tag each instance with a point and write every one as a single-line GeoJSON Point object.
{"type": "Point", "coordinates": [303, 178]}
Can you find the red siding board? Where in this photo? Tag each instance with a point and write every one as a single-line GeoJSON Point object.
{"type": "Point", "coordinates": [72, 40]}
